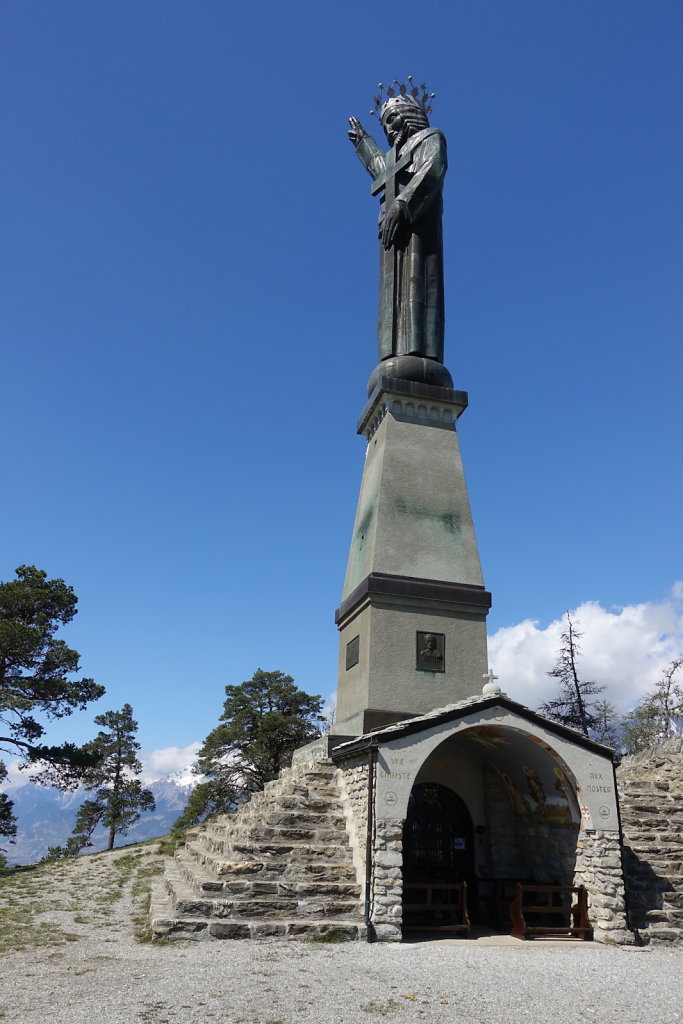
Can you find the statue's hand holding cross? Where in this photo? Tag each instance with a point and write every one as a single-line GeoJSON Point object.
{"type": "Point", "coordinates": [394, 219]}
{"type": "Point", "coordinates": [395, 212]}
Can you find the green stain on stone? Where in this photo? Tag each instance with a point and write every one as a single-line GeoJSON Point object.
{"type": "Point", "coordinates": [450, 521]}
{"type": "Point", "coordinates": [364, 526]}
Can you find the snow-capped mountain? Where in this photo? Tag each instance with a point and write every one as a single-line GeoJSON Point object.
{"type": "Point", "coordinates": [45, 816]}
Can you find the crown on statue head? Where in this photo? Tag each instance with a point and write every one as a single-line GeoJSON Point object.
{"type": "Point", "coordinates": [416, 95]}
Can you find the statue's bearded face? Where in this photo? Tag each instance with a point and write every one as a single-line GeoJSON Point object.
{"type": "Point", "coordinates": [395, 126]}
{"type": "Point", "coordinates": [401, 119]}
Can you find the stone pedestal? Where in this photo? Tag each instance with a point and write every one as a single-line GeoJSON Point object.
{"type": "Point", "coordinates": [412, 620]}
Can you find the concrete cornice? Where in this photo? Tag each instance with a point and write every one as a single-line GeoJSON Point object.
{"type": "Point", "coordinates": [426, 403]}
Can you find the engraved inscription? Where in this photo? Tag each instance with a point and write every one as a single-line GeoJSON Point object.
{"type": "Point", "coordinates": [400, 769]}
{"type": "Point", "coordinates": [431, 652]}
{"type": "Point", "coordinates": [352, 652]}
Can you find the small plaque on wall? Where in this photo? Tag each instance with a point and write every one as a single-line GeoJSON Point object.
{"type": "Point", "coordinates": [353, 652]}
{"type": "Point", "coordinates": [431, 652]}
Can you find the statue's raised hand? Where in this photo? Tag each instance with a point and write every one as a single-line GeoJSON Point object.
{"type": "Point", "coordinates": [356, 131]}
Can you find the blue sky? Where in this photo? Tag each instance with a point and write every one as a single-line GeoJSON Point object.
{"type": "Point", "coordinates": [188, 294]}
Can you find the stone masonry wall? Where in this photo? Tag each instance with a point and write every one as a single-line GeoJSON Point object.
{"type": "Point", "coordinates": [387, 889]}
{"type": "Point", "coordinates": [651, 797]}
{"type": "Point", "coordinates": [387, 884]}
{"type": "Point", "coordinates": [598, 867]}
{"type": "Point", "coordinates": [352, 780]}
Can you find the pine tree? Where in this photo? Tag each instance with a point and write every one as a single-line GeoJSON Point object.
{"type": "Point", "coordinates": [35, 681]}
{"type": "Point", "coordinates": [8, 822]}
{"type": "Point", "coordinates": [659, 714]}
{"type": "Point", "coordinates": [264, 720]}
{"type": "Point", "coordinates": [119, 799]}
{"type": "Point", "coordinates": [607, 726]}
{"type": "Point", "coordinates": [571, 707]}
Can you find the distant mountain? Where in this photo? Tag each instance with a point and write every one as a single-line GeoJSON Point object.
{"type": "Point", "coordinates": [46, 816]}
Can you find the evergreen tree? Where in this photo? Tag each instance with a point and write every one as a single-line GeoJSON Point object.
{"type": "Point", "coordinates": [607, 726]}
{"type": "Point", "coordinates": [119, 799]}
{"type": "Point", "coordinates": [571, 706]}
{"type": "Point", "coordinates": [658, 716]}
{"type": "Point", "coordinates": [219, 794]}
{"type": "Point", "coordinates": [640, 729]}
{"type": "Point", "coordinates": [8, 823]}
{"type": "Point", "coordinates": [35, 671]}
{"type": "Point", "coordinates": [264, 720]}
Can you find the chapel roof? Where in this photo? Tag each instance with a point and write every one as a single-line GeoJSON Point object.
{"type": "Point", "coordinates": [461, 709]}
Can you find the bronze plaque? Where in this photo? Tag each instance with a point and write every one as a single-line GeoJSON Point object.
{"type": "Point", "coordinates": [431, 652]}
{"type": "Point", "coordinates": [353, 652]}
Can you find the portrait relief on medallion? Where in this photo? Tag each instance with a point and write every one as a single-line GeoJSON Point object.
{"type": "Point", "coordinates": [431, 652]}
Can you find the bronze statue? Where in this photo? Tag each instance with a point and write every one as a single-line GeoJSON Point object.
{"type": "Point", "coordinates": [409, 181]}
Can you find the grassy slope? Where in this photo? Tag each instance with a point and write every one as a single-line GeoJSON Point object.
{"type": "Point", "coordinates": [48, 905]}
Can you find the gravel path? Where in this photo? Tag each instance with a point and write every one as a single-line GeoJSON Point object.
{"type": "Point", "coordinates": [79, 962]}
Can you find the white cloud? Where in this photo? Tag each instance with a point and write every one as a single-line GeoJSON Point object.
{"type": "Point", "coordinates": [157, 764]}
{"type": "Point", "coordinates": [16, 778]}
{"type": "Point", "coordinates": [624, 648]}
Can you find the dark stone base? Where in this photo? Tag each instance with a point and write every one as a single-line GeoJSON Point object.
{"type": "Point", "coordinates": [414, 368]}
{"type": "Point", "coordinates": [374, 718]}
{"type": "Point", "coordinates": [407, 587]}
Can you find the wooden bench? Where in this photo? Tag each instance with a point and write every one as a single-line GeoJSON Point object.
{"type": "Point", "coordinates": [435, 906]}
{"type": "Point", "coordinates": [533, 903]}
{"type": "Point", "coordinates": [492, 901]}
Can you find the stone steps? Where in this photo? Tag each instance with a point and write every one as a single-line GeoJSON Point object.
{"type": "Point", "coordinates": [270, 856]}
{"type": "Point", "coordinates": [273, 908]}
{"type": "Point", "coordinates": [651, 798]}
{"type": "Point", "coordinates": [302, 876]}
{"type": "Point", "coordinates": [669, 916]}
{"type": "Point", "coordinates": [241, 906]}
{"type": "Point", "coordinates": [300, 796]}
{"type": "Point", "coordinates": [280, 866]}
{"type": "Point", "coordinates": [247, 872]}
{"type": "Point", "coordinates": [218, 842]}
{"type": "Point", "coordinates": [665, 881]}
{"type": "Point", "coordinates": [295, 819]}
{"type": "Point", "coordinates": [194, 923]}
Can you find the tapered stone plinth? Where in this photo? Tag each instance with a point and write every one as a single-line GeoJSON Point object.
{"type": "Point", "coordinates": [413, 615]}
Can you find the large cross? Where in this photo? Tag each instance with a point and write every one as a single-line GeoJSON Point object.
{"type": "Point", "coordinates": [387, 179]}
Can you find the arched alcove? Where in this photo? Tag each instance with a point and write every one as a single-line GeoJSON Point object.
{"type": "Point", "coordinates": [508, 801]}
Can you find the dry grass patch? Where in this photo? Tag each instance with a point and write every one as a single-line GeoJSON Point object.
{"type": "Point", "coordinates": [50, 904]}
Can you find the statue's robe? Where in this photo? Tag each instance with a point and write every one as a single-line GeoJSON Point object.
{"type": "Point", "coordinates": [411, 301]}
